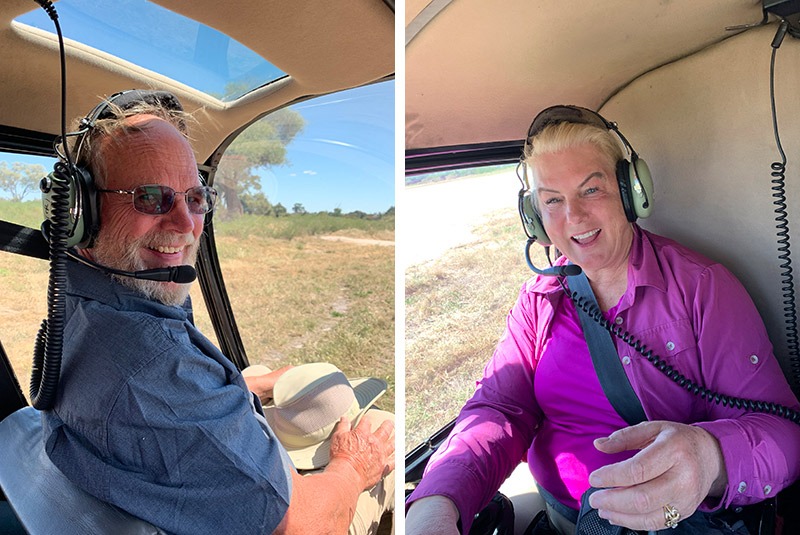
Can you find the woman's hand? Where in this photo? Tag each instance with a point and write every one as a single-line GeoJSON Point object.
{"type": "Point", "coordinates": [678, 465]}
{"type": "Point", "coordinates": [432, 515]}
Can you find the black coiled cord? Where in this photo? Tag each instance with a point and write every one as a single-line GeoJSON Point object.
{"type": "Point", "coordinates": [750, 405]}
{"type": "Point", "coordinates": [49, 341]}
{"type": "Point", "coordinates": [782, 224]}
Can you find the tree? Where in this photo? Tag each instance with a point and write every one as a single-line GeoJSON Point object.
{"type": "Point", "coordinates": [262, 144]}
{"type": "Point", "coordinates": [255, 203]}
{"type": "Point", "coordinates": [279, 210]}
{"type": "Point", "coordinates": [298, 208]}
{"type": "Point", "coordinates": [20, 178]}
{"type": "Point", "coordinates": [336, 212]}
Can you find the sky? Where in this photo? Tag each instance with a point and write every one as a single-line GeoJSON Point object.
{"type": "Point", "coordinates": [344, 157]}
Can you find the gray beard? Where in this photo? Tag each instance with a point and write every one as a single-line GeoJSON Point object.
{"type": "Point", "coordinates": [125, 258]}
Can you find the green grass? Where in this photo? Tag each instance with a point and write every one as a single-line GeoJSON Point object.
{"type": "Point", "coordinates": [293, 226]}
{"type": "Point", "coordinates": [28, 213]}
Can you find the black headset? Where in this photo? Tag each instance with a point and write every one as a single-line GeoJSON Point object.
{"type": "Point", "coordinates": [84, 213]}
{"type": "Point", "coordinates": [633, 176]}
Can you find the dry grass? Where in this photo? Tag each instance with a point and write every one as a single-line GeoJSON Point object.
{"type": "Point", "coordinates": [23, 306]}
{"type": "Point", "coordinates": [308, 300]}
{"type": "Point", "coordinates": [295, 300]}
{"type": "Point", "coordinates": [455, 313]}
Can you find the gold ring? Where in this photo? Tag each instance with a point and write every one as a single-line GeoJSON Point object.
{"type": "Point", "coordinates": [671, 516]}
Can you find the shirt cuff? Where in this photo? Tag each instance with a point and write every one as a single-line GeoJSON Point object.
{"type": "Point", "coordinates": [456, 482]}
{"type": "Point", "coordinates": [744, 486]}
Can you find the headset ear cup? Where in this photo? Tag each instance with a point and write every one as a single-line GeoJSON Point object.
{"type": "Point", "coordinates": [624, 182]}
{"type": "Point", "coordinates": [83, 219]}
{"type": "Point", "coordinates": [531, 220]}
{"type": "Point", "coordinates": [641, 188]}
{"type": "Point", "coordinates": [90, 213]}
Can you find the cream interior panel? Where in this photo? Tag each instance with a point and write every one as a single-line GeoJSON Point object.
{"type": "Point", "coordinates": [704, 126]}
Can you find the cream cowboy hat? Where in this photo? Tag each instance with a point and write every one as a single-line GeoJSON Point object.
{"type": "Point", "coordinates": [308, 402]}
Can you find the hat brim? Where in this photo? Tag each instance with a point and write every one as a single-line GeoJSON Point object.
{"type": "Point", "coordinates": [367, 391]}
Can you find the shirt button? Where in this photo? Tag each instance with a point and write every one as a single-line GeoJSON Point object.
{"type": "Point", "coordinates": [742, 486]}
{"type": "Point", "coordinates": [626, 360]}
{"type": "Point", "coordinates": [618, 320]}
{"type": "Point", "coordinates": [670, 346]}
{"type": "Point", "coordinates": [767, 489]}
{"type": "Point", "coordinates": [754, 359]}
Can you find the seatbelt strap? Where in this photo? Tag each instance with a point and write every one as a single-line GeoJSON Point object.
{"type": "Point", "coordinates": [606, 361]}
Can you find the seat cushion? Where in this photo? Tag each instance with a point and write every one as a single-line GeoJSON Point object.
{"type": "Point", "coordinates": [42, 497]}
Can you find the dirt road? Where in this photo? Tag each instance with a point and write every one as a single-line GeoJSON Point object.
{"type": "Point", "coordinates": [439, 216]}
{"type": "Point", "coordinates": [360, 241]}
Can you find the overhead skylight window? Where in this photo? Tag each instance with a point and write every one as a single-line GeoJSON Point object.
{"type": "Point", "coordinates": [162, 41]}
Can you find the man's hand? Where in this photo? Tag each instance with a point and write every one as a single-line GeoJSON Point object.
{"type": "Point", "coordinates": [678, 464]}
{"type": "Point", "coordinates": [325, 502]}
{"type": "Point", "coordinates": [261, 381]}
{"type": "Point", "coordinates": [432, 515]}
{"type": "Point", "coordinates": [370, 454]}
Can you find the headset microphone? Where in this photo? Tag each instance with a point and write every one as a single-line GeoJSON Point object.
{"type": "Point", "coordinates": [179, 274]}
{"type": "Point", "coordinates": [567, 270]}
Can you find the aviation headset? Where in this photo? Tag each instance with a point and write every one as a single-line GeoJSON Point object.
{"type": "Point", "coordinates": [633, 176]}
{"type": "Point", "coordinates": [84, 213]}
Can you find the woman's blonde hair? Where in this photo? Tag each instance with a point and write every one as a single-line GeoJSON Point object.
{"type": "Point", "coordinates": [564, 135]}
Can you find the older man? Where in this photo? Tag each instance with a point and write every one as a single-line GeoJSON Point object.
{"type": "Point", "coordinates": [150, 415]}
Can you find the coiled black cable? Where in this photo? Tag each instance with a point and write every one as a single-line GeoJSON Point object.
{"type": "Point", "coordinates": [750, 405]}
{"type": "Point", "coordinates": [49, 341]}
{"type": "Point", "coordinates": [782, 223]}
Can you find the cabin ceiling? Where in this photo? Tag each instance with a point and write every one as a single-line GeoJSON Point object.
{"type": "Point", "coordinates": [479, 71]}
{"type": "Point", "coordinates": [322, 46]}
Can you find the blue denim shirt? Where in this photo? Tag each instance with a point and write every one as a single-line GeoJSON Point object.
{"type": "Point", "coordinates": [151, 417]}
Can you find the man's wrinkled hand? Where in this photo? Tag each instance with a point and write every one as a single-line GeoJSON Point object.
{"type": "Point", "coordinates": [370, 454]}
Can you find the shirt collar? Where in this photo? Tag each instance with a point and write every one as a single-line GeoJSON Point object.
{"type": "Point", "coordinates": [643, 269]}
{"type": "Point", "coordinates": [89, 283]}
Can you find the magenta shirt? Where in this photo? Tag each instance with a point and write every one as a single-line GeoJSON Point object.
{"type": "Point", "coordinates": [539, 399]}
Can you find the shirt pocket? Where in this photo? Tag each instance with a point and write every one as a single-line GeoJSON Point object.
{"type": "Point", "coordinates": [674, 344]}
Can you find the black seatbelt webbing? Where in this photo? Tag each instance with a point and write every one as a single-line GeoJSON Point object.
{"type": "Point", "coordinates": [606, 361]}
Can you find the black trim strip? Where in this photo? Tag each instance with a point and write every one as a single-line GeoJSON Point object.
{"type": "Point", "coordinates": [217, 302]}
{"type": "Point", "coordinates": [420, 161]}
{"type": "Point", "coordinates": [21, 141]}
{"type": "Point", "coordinates": [23, 240]}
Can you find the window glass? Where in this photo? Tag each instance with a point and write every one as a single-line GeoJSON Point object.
{"type": "Point", "coordinates": [163, 41]}
{"type": "Point", "coordinates": [461, 278]}
{"type": "Point", "coordinates": [305, 232]}
{"type": "Point", "coordinates": [23, 299]}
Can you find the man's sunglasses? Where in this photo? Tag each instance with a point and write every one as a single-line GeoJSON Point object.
{"type": "Point", "coordinates": [154, 199]}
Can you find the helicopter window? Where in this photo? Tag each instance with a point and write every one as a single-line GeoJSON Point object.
{"type": "Point", "coordinates": [305, 233]}
{"type": "Point", "coordinates": [461, 278]}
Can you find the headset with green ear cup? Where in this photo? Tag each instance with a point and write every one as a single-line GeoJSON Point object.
{"type": "Point", "coordinates": [530, 219]}
{"type": "Point", "coordinates": [83, 220]}
{"type": "Point", "coordinates": [633, 176]}
{"type": "Point", "coordinates": [83, 217]}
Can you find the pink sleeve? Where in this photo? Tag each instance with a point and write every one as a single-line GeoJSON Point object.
{"type": "Point", "coordinates": [496, 426]}
{"type": "Point", "coordinates": [760, 450]}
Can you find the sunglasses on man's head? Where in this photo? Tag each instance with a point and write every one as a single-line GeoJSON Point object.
{"type": "Point", "coordinates": [154, 199]}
